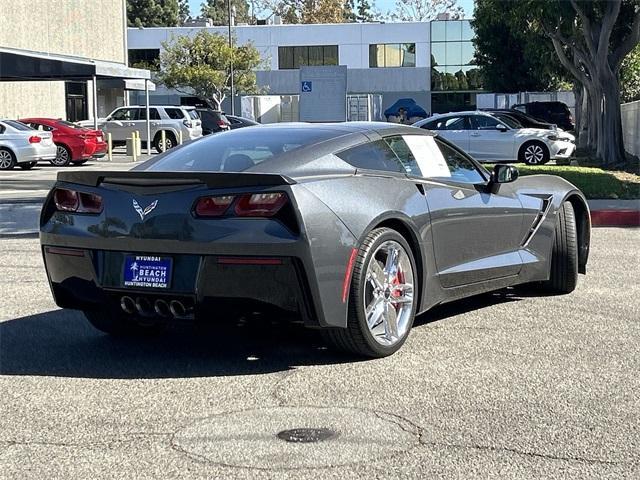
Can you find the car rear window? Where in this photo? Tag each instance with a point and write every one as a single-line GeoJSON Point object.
{"type": "Point", "coordinates": [174, 113]}
{"type": "Point", "coordinates": [236, 151]}
{"type": "Point", "coordinates": [70, 125]}
{"type": "Point", "coordinates": [18, 125]}
{"type": "Point", "coordinates": [193, 114]}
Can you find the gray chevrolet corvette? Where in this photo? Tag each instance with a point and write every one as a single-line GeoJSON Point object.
{"type": "Point", "coordinates": [351, 228]}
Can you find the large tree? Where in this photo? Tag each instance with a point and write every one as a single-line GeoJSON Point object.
{"type": "Point", "coordinates": [591, 40]}
{"type": "Point", "coordinates": [424, 10]}
{"type": "Point", "coordinates": [512, 57]}
{"type": "Point", "coordinates": [200, 66]}
{"type": "Point", "coordinates": [630, 76]}
{"type": "Point", "coordinates": [153, 13]}
{"type": "Point", "coordinates": [184, 11]}
{"type": "Point", "coordinates": [218, 11]}
{"type": "Point", "coordinates": [309, 11]}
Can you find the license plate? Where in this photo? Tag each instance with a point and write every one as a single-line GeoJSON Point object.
{"type": "Point", "coordinates": [147, 271]}
{"type": "Point", "coordinates": [99, 138]}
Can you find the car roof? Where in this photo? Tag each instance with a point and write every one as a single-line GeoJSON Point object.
{"type": "Point", "coordinates": [341, 128]}
{"type": "Point", "coordinates": [159, 106]}
{"type": "Point", "coordinates": [453, 114]}
{"type": "Point", "coordinates": [40, 120]}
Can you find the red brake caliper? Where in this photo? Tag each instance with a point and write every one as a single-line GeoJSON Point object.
{"type": "Point", "coordinates": [396, 292]}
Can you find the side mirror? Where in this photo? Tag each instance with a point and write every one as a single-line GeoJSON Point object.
{"type": "Point", "coordinates": [501, 128]}
{"type": "Point", "coordinates": [504, 174]}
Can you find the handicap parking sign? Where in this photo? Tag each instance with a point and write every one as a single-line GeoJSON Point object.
{"type": "Point", "coordinates": [307, 86]}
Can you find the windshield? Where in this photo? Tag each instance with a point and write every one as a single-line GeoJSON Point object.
{"type": "Point", "coordinates": [238, 150]}
{"type": "Point", "coordinates": [509, 121]}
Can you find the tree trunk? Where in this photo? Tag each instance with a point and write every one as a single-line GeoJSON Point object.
{"type": "Point", "coordinates": [580, 114]}
{"type": "Point", "coordinates": [610, 141]}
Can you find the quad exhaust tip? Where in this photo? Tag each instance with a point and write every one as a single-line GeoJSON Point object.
{"type": "Point", "coordinates": [162, 308]}
{"type": "Point", "coordinates": [128, 305]}
{"type": "Point", "coordinates": [144, 307]}
{"type": "Point", "coordinates": [177, 308]}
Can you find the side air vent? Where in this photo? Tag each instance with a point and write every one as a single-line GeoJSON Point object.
{"type": "Point", "coordinates": [542, 214]}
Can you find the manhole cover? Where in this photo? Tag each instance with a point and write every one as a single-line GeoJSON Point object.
{"type": "Point", "coordinates": [296, 437]}
{"type": "Point", "coordinates": [306, 435]}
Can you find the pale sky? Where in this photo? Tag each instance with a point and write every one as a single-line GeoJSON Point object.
{"type": "Point", "coordinates": [382, 5]}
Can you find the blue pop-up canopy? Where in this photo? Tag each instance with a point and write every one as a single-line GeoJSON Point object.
{"type": "Point", "coordinates": [410, 105]}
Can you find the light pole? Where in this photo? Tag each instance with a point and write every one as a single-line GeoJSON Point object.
{"type": "Point", "coordinates": [231, 92]}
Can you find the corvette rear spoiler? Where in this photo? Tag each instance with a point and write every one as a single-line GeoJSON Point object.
{"type": "Point", "coordinates": [146, 178]}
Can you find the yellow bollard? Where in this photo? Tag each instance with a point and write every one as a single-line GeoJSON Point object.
{"type": "Point", "coordinates": [109, 147]}
{"type": "Point", "coordinates": [163, 140]}
{"type": "Point", "coordinates": [134, 150]}
{"type": "Point", "coordinates": [138, 144]}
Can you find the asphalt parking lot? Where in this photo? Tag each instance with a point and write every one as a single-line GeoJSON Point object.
{"type": "Point", "coordinates": [505, 385]}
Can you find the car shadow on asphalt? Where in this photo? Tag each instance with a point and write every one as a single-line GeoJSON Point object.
{"type": "Point", "coordinates": [62, 343]}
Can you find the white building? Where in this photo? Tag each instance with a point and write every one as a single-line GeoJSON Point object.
{"type": "Point", "coordinates": [392, 59]}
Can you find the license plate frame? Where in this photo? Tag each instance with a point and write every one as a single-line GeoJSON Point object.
{"type": "Point", "coordinates": [148, 272]}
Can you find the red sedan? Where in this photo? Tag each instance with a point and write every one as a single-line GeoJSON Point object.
{"type": "Point", "coordinates": [75, 144]}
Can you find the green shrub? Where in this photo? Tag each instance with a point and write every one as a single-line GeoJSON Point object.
{"type": "Point", "coordinates": [594, 182]}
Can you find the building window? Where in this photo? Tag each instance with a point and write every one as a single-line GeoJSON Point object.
{"type": "Point", "coordinates": [452, 57]}
{"type": "Point", "coordinates": [392, 55]}
{"type": "Point", "coordinates": [148, 58]}
{"type": "Point", "coordinates": [290, 58]}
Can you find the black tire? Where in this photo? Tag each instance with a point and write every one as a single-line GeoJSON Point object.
{"type": "Point", "coordinates": [7, 159]}
{"type": "Point", "coordinates": [563, 275]}
{"type": "Point", "coordinates": [534, 153]}
{"type": "Point", "coordinates": [120, 325]}
{"type": "Point", "coordinates": [79, 162]}
{"type": "Point", "coordinates": [357, 338]}
{"type": "Point", "coordinates": [63, 156]}
{"type": "Point", "coordinates": [170, 140]}
{"type": "Point", "coordinates": [27, 165]}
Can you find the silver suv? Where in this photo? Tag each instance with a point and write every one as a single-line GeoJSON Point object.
{"type": "Point", "coordinates": [170, 118]}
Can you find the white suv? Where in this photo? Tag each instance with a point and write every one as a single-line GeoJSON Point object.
{"type": "Point", "coordinates": [491, 139]}
{"type": "Point", "coordinates": [170, 118]}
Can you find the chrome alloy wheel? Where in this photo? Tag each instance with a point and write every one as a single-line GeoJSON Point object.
{"type": "Point", "coordinates": [5, 159]}
{"type": "Point", "coordinates": [388, 295]}
{"type": "Point", "coordinates": [168, 144]}
{"type": "Point", "coordinates": [62, 156]}
{"type": "Point", "coordinates": [534, 154]}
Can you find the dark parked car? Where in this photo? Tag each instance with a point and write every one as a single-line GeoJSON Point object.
{"type": "Point", "coordinates": [213, 121]}
{"type": "Point", "coordinates": [524, 119]}
{"type": "Point", "coordinates": [551, 112]}
{"type": "Point", "coordinates": [239, 122]}
{"type": "Point", "coordinates": [351, 228]}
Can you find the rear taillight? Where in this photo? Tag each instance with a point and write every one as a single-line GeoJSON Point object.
{"type": "Point", "coordinates": [247, 205]}
{"type": "Point", "coordinates": [221, 124]}
{"type": "Point", "coordinates": [188, 123]}
{"type": "Point", "coordinates": [260, 204]}
{"type": "Point", "coordinates": [35, 139]}
{"type": "Point", "coordinates": [213, 206]}
{"type": "Point", "coordinates": [79, 202]}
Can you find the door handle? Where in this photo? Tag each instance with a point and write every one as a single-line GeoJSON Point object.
{"type": "Point", "coordinates": [475, 135]}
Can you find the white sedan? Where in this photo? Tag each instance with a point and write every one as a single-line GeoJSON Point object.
{"type": "Point", "coordinates": [23, 146]}
{"type": "Point", "coordinates": [490, 139]}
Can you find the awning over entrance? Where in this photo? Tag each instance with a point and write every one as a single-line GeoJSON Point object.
{"type": "Point", "coordinates": [25, 65]}
{"type": "Point", "coordinates": [18, 65]}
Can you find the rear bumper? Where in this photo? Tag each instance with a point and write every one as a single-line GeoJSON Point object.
{"type": "Point", "coordinates": [210, 285]}
{"type": "Point", "coordinates": [35, 152]}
